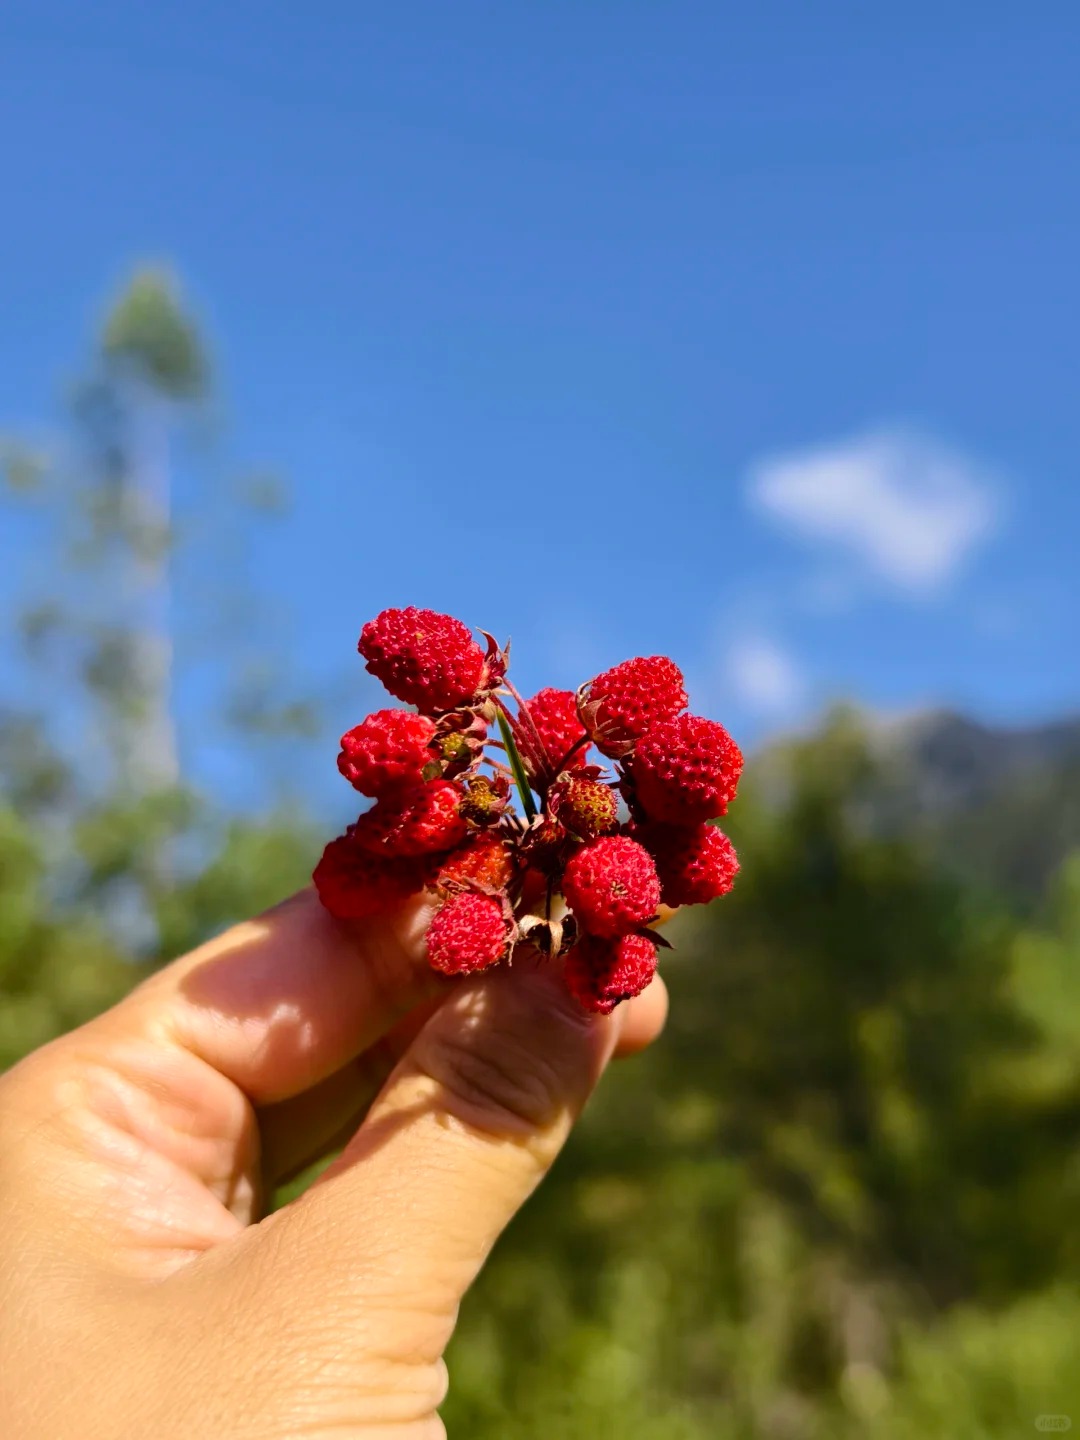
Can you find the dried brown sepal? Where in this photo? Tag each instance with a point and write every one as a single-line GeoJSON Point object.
{"type": "Point", "coordinates": [496, 662]}
{"type": "Point", "coordinates": [485, 799]}
{"type": "Point", "coordinates": [458, 745]}
{"type": "Point", "coordinates": [584, 772]}
{"type": "Point", "coordinates": [601, 735]}
{"type": "Point", "coordinates": [551, 936]}
{"type": "Point", "coordinates": [545, 845]}
{"type": "Point", "coordinates": [513, 926]}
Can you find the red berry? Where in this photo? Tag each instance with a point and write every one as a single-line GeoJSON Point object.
{"type": "Point", "coordinates": [353, 884]}
{"type": "Point", "coordinates": [555, 720]}
{"type": "Point", "coordinates": [424, 658]}
{"type": "Point", "coordinates": [418, 821]}
{"type": "Point", "coordinates": [686, 770]}
{"type": "Point", "coordinates": [601, 973]}
{"type": "Point", "coordinates": [544, 846]}
{"type": "Point", "coordinates": [611, 886]}
{"type": "Point", "coordinates": [469, 933]}
{"type": "Point", "coordinates": [626, 701]}
{"type": "Point", "coordinates": [484, 859]}
{"type": "Point", "coordinates": [387, 750]}
{"type": "Point", "coordinates": [696, 863]}
{"type": "Point", "coordinates": [586, 807]}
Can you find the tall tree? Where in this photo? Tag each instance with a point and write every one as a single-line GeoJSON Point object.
{"type": "Point", "coordinates": [92, 756]}
{"type": "Point", "coordinates": [151, 374]}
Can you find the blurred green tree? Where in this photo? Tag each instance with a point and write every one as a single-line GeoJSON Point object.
{"type": "Point", "coordinates": [107, 852]}
{"type": "Point", "coordinates": [849, 1142]}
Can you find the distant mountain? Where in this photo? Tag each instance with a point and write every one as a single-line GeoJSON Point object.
{"type": "Point", "coordinates": [999, 806]}
{"type": "Point", "coordinates": [955, 762]}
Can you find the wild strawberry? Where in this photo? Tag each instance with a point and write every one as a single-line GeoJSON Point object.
{"type": "Point", "coordinates": [354, 884]}
{"type": "Point", "coordinates": [468, 933]}
{"type": "Point", "coordinates": [626, 701]}
{"type": "Point", "coordinates": [387, 750]}
{"type": "Point", "coordinates": [587, 807]}
{"type": "Point", "coordinates": [485, 799]}
{"type": "Point", "coordinates": [601, 973]}
{"type": "Point", "coordinates": [557, 728]}
{"type": "Point", "coordinates": [545, 845]}
{"type": "Point", "coordinates": [686, 770]}
{"type": "Point", "coordinates": [424, 658]}
{"type": "Point", "coordinates": [459, 741]}
{"type": "Point", "coordinates": [419, 821]}
{"type": "Point", "coordinates": [443, 818]}
{"type": "Point", "coordinates": [484, 859]}
{"type": "Point", "coordinates": [454, 748]}
{"type": "Point", "coordinates": [696, 863]}
{"type": "Point", "coordinates": [611, 886]}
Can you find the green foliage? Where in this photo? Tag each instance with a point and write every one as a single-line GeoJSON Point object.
{"type": "Point", "coordinates": [148, 333]}
{"type": "Point", "coordinates": [253, 867]}
{"type": "Point", "coordinates": [21, 467]}
{"type": "Point", "coordinates": [109, 859]}
{"type": "Point", "coordinates": [835, 1200]}
{"type": "Point", "coordinates": [56, 969]}
{"type": "Point", "coordinates": [97, 757]}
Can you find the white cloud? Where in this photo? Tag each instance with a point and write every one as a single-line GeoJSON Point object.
{"type": "Point", "coordinates": [910, 509]}
{"type": "Point", "coordinates": [764, 677]}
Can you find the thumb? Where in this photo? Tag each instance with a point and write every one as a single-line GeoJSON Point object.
{"type": "Point", "coordinates": [383, 1248]}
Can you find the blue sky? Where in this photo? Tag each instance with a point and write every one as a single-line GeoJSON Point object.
{"type": "Point", "coordinates": [744, 333]}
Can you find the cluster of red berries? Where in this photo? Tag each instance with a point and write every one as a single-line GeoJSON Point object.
{"type": "Point", "coordinates": [587, 866]}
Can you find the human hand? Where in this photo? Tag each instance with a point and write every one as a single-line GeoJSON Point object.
{"type": "Point", "coordinates": [142, 1296]}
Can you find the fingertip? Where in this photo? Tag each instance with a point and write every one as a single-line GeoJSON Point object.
{"type": "Point", "coordinates": [643, 1019]}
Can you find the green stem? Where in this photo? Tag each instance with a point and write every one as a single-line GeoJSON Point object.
{"type": "Point", "coordinates": [520, 778]}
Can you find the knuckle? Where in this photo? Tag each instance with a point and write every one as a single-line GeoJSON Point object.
{"type": "Point", "coordinates": [496, 1085]}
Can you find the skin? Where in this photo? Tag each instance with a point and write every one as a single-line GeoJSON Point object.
{"type": "Point", "coordinates": [141, 1292]}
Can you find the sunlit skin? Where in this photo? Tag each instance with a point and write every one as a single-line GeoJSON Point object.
{"type": "Point", "coordinates": [142, 1294]}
